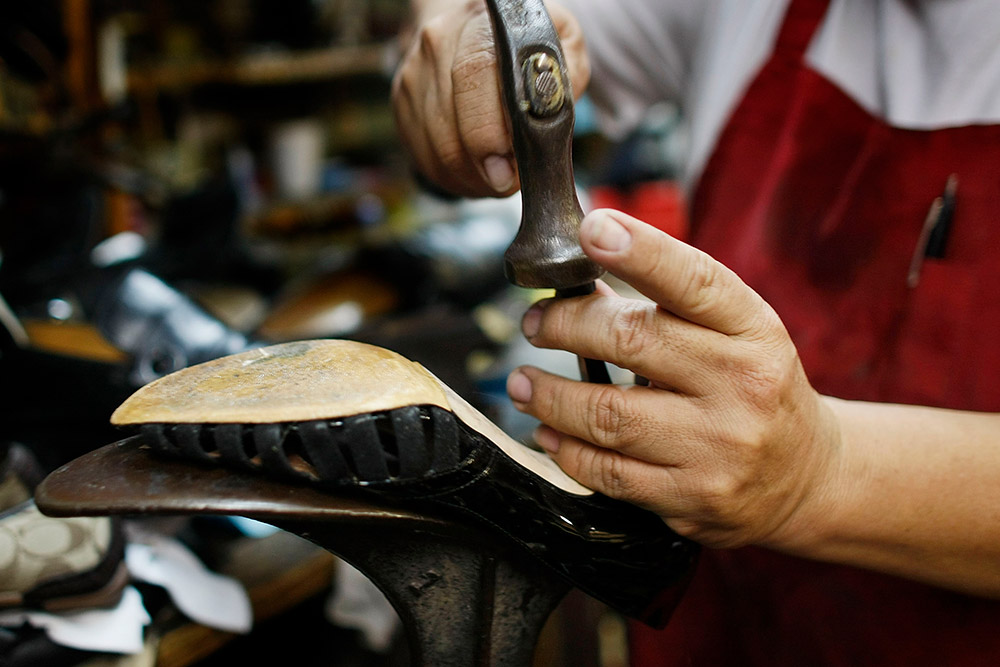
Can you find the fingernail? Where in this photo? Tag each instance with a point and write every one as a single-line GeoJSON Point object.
{"type": "Point", "coordinates": [547, 439]}
{"type": "Point", "coordinates": [532, 321]}
{"type": "Point", "coordinates": [519, 387]}
{"type": "Point", "coordinates": [606, 233]}
{"type": "Point", "coordinates": [499, 173]}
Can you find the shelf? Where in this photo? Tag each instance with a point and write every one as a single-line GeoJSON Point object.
{"type": "Point", "coordinates": [72, 339]}
{"type": "Point", "coordinates": [265, 68]}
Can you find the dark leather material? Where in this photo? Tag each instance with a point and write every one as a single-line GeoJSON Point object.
{"type": "Point", "coordinates": [622, 555]}
{"type": "Point", "coordinates": [424, 456]}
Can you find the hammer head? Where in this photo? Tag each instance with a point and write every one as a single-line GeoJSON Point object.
{"type": "Point", "coordinates": [538, 99]}
{"type": "Point", "coordinates": [546, 252]}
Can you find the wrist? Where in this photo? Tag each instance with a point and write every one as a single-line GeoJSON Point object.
{"type": "Point", "coordinates": [825, 492]}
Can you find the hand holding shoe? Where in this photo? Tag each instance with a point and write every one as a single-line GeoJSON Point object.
{"type": "Point", "coordinates": [729, 441]}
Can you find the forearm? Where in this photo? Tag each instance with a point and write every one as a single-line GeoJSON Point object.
{"type": "Point", "coordinates": [914, 492]}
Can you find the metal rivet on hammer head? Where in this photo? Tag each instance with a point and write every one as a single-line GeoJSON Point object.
{"type": "Point", "coordinates": [544, 84]}
{"type": "Point", "coordinates": [542, 62]}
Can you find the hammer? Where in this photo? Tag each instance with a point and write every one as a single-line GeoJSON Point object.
{"type": "Point", "coordinates": [538, 100]}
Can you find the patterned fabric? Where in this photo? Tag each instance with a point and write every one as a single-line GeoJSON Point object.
{"type": "Point", "coordinates": [36, 549]}
{"type": "Point", "coordinates": [53, 563]}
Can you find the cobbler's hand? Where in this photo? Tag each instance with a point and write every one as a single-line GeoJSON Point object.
{"type": "Point", "coordinates": [729, 440]}
{"type": "Point", "coordinates": [446, 97]}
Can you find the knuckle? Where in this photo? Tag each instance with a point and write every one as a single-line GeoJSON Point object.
{"type": "Point", "coordinates": [719, 498]}
{"type": "Point", "coordinates": [430, 37]}
{"type": "Point", "coordinates": [752, 447]}
{"type": "Point", "coordinates": [543, 404]}
{"type": "Point", "coordinates": [608, 421]}
{"type": "Point", "coordinates": [745, 440]}
{"type": "Point", "coordinates": [764, 327]}
{"type": "Point", "coordinates": [467, 72]}
{"type": "Point", "coordinates": [703, 280]}
{"type": "Point", "coordinates": [612, 473]}
{"type": "Point", "coordinates": [632, 325]}
{"type": "Point", "coordinates": [769, 323]}
{"type": "Point", "coordinates": [556, 319]}
{"type": "Point", "coordinates": [762, 382]}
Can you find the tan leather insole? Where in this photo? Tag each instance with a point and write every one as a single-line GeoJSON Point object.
{"type": "Point", "coordinates": [308, 380]}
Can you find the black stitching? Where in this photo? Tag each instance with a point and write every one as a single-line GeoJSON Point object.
{"type": "Point", "coordinates": [155, 435]}
{"type": "Point", "coordinates": [188, 439]}
{"type": "Point", "coordinates": [414, 457]}
{"type": "Point", "coordinates": [360, 440]}
{"type": "Point", "coordinates": [229, 440]}
{"type": "Point", "coordinates": [445, 438]}
{"type": "Point", "coordinates": [323, 451]}
{"type": "Point", "coordinates": [270, 442]}
{"type": "Point", "coordinates": [406, 444]}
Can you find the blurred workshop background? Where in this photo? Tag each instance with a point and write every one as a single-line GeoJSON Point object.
{"type": "Point", "coordinates": [183, 179]}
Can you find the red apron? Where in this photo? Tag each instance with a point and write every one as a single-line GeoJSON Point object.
{"type": "Point", "coordinates": [820, 207]}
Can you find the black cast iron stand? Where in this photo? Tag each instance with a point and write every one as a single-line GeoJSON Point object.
{"type": "Point", "coordinates": [466, 598]}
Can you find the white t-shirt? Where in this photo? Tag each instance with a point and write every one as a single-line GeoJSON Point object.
{"type": "Point", "coordinates": [918, 64]}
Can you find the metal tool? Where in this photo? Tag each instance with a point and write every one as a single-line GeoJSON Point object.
{"type": "Point", "coordinates": [538, 99]}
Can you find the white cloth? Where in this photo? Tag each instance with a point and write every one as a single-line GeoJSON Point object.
{"type": "Point", "coordinates": [357, 603]}
{"type": "Point", "coordinates": [115, 630]}
{"type": "Point", "coordinates": [204, 596]}
{"type": "Point", "coordinates": [918, 64]}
